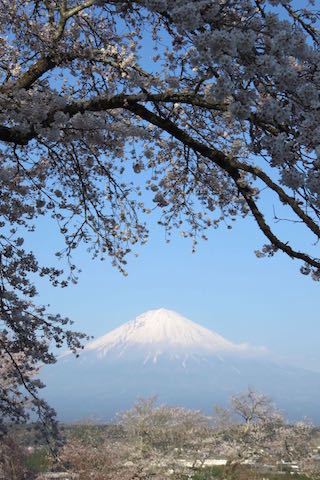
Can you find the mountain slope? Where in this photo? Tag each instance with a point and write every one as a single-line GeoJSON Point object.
{"type": "Point", "coordinates": [161, 352]}
{"type": "Point", "coordinates": [165, 331]}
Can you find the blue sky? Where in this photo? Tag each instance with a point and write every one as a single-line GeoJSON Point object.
{"type": "Point", "coordinates": [223, 286]}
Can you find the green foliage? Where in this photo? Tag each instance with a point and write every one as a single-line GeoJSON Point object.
{"type": "Point", "coordinates": [37, 461]}
{"type": "Point", "coordinates": [209, 473]}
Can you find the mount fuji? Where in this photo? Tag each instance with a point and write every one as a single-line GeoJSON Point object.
{"type": "Point", "coordinates": [163, 332]}
{"type": "Point", "coordinates": [163, 353]}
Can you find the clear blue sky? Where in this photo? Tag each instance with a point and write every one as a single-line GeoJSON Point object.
{"type": "Point", "coordinates": [223, 286]}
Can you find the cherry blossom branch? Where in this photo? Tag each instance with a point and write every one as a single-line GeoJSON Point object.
{"type": "Point", "coordinates": [66, 14]}
{"type": "Point", "coordinates": [231, 168]}
{"type": "Point", "coordinates": [313, 32]}
{"type": "Point", "coordinates": [283, 196]}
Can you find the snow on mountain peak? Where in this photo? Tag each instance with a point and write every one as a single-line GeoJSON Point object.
{"type": "Point", "coordinates": [166, 330]}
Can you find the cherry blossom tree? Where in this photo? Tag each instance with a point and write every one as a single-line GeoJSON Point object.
{"type": "Point", "coordinates": [163, 439]}
{"type": "Point", "coordinates": [147, 441]}
{"type": "Point", "coordinates": [253, 431]}
{"type": "Point", "coordinates": [221, 121]}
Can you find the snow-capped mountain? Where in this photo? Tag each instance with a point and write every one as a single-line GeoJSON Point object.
{"type": "Point", "coordinates": [162, 331]}
{"type": "Point", "coordinates": [161, 352]}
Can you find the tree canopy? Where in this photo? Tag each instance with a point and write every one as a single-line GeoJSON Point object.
{"type": "Point", "coordinates": [211, 106]}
